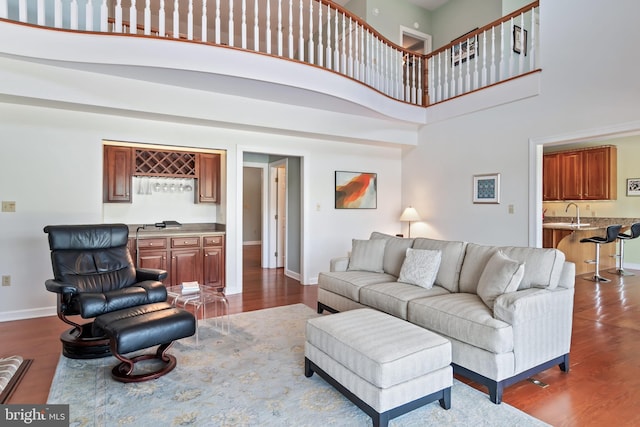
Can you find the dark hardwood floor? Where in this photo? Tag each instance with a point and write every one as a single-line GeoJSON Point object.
{"type": "Point", "coordinates": [602, 387]}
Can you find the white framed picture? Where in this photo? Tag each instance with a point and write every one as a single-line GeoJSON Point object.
{"type": "Point", "coordinates": [486, 188]}
{"type": "Point", "coordinates": [633, 186]}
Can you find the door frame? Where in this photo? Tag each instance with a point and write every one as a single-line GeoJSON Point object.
{"type": "Point", "coordinates": [275, 209]}
{"type": "Point", "coordinates": [428, 39]}
{"type": "Point", "coordinates": [264, 189]}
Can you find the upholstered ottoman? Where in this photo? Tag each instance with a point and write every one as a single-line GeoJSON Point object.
{"type": "Point", "coordinates": [140, 327]}
{"type": "Point", "coordinates": [385, 365]}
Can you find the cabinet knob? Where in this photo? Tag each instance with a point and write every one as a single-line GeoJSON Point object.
{"type": "Point", "coordinates": [186, 243]}
{"type": "Point", "coordinates": [150, 244]}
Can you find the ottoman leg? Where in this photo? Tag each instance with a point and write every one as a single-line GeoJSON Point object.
{"type": "Point", "coordinates": [308, 372]}
{"type": "Point", "coordinates": [445, 401]}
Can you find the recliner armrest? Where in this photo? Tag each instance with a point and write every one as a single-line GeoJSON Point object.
{"type": "Point", "coordinates": [150, 274]}
{"type": "Point", "coordinates": [60, 287]}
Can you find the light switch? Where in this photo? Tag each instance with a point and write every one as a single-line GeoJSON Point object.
{"type": "Point", "coordinates": [8, 206]}
{"type": "Point", "coordinates": [511, 209]}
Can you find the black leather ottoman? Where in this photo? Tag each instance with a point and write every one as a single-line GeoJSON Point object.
{"type": "Point", "coordinates": [136, 328]}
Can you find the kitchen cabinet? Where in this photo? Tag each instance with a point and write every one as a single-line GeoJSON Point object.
{"type": "Point", "coordinates": [185, 258]}
{"type": "Point", "coordinates": [586, 174]}
{"type": "Point", "coordinates": [117, 174]}
{"type": "Point", "coordinates": [208, 182]}
{"type": "Point", "coordinates": [214, 261]}
{"type": "Point", "coordinates": [551, 237]}
{"type": "Point", "coordinates": [551, 177]}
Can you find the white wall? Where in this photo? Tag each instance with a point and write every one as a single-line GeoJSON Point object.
{"type": "Point", "coordinates": [585, 87]}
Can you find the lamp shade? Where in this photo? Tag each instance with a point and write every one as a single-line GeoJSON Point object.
{"type": "Point", "coordinates": [410, 214]}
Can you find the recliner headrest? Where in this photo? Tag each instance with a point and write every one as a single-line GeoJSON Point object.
{"type": "Point", "coordinates": [93, 236]}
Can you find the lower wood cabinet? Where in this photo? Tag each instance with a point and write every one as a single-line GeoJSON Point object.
{"type": "Point", "coordinates": [187, 259]}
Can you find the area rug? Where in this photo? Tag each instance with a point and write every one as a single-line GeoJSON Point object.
{"type": "Point", "coordinates": [253, 376]}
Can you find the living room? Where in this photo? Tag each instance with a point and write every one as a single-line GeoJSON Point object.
{"type": "Point", "coordinates": [54, 124]}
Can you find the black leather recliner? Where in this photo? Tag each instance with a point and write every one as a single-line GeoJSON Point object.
{"type": "Point", "coordinates": [93, 275]}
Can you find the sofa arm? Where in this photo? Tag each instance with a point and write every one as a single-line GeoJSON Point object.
{"type": "Point", "coordinates": [568, 276]}
{"type": "Point", "coordinates": [339, 264]}
{"type": "Point", "coordinates": [541, 320]}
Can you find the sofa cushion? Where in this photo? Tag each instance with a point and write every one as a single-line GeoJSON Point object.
{"type": "Point", "coordinates": [463, 317]}
{"type": "Point", "coordinates": [348, 283]}
{"type": "Point", "coordinates": [500, 275]}
{"type": "Point", "coordinates": [420, 267]}
{"type": "Point", "coordinates": [543, 266]}
{"type": "Point", "coordinates": [394, 251]}
{"type": "Point", "coordinates": [393, 297]}
{"type": "Point", "coordinates": [452, 256]}
{"type": "Point", "coordinates": [367, 255]}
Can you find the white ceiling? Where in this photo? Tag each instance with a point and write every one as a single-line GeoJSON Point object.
{"type": "Point", "coordinates": [429, 4]}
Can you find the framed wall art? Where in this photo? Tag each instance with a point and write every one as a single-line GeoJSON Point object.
{"type": "Point", "coordinates": [356, 190]}
{"type": "Point", "coordinates": [519, 40]}
{"type": "Point", "coordinates": [486, 188]}
{"type": "Point", "coordinates": [464, 48]}
{"type": "Point", "coordinates": [633, 186]}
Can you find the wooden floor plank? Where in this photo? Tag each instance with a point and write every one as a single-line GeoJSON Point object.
{"type": "Point", "coordinates": [602, 387]}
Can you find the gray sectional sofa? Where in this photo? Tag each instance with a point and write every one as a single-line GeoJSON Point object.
{"type": "Point", "coordinates": [506, 310]}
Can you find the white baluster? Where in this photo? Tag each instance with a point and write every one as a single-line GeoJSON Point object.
{"type": "Point", "coordinates": [501, 68]}
{"type": "Point", "coordinates": [268, 36]}
{"type": "Point", "coordinates": [256, 27]}
{"type": "Point", "coordinates": [291, 29]}
{"type": "Point", "coordinates": [419, 66]}
{"type": "Point", "coordinates": [57, 14]}
{"type": "Point", "coordinates": [73, 10]}
{"type": "Point", "coordinates": [162, 20]}
{"type": "Point", "coordinates": [231, 29]}
{"type": "Point", "coordinates": [445, 88]}
{"type": "Point", "coordinates": [204, 23]}
{"type": "Point", "coordinates": [311, 47]}
{"type": "Point", "coordinates": [484, 59]}
{"type": "Point", "coordinates": [147, 17]}
{"type": "Point", "coordinates": [88, 16]}
{"type": "Point", "coordinates": [4, 9]}
{"type": "Point", "coordinates": [176, 20]}
{"type": "Point", "coordinates": [41, 11]}
{"type": "Point", "coordinates": [118, 27]}
{"type": "Point", "coordinates": [280, 29]}
{"type": "Point", "coordinates": [244, 24]}
{"type": "Point", "coordinates": [523, 40]}
{"type": "Point", "coordinates": [492, 71]}
{"type": "Point", "coordinates": [22, 11]}
{"type": "Point", "coordinates": [190, 21]}
{"type": "Point", "coordinates": [438, 65]}
{"type": "Point", "coordinates": [301, 33]}
{"type": "Point", "coordinates": [133, 18]}
{"type": "Point", "coordinates": [511, 52]}
{"type": "Point", "coordinates": [476, 62]}
{"type": "Point", "coordinates": [104, 17]}
{"type": "Point", "coordinates": [320, 43]}
{"type": "Point", "coordinates": [533, 35]}
{"type": "Point", "coordinates": [356, 52]}
{"type": "Point", "coordinates": [217, 22]}
{"type": "Point", "coordinates": [467, 76]}
{"type": "Point", "coordinates": [350, 57]}
{"type": "Point", "coordinates": [336, 49]}
{"type": "Point", "coordinates": [343, 57]}
{"type": "Point", "coordinates": [329, 50]}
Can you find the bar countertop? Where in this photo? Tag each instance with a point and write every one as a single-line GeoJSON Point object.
{"type": "Point", "coordinates": [187, 229]}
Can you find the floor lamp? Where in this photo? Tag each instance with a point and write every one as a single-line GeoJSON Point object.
{"type": "Point", "coordinates": [410, 215]}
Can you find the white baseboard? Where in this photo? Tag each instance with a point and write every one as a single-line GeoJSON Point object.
{"type": "Point", "coordinates": [252, 242]}
{"type": "Point", "coordinates": [292, 274]}
{"type": "Point", "coordinates": [8, 316]}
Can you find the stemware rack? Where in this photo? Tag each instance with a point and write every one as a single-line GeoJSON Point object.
{"type": "Point", "coordinates": [170, 164]}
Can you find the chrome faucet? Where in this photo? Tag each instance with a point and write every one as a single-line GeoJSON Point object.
{"type": "Point", "coordinates": [577, 212]}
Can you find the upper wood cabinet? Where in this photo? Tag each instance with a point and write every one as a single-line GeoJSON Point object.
{"type": "Point", "coordinates": [587, 174]}
{"type": "Point", "coordinates": [117, 174]}
{"type": "Point", "coordinates": [208, 183]}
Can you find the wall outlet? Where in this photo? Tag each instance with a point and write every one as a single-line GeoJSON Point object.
{"type": "Point", "coordinates": [8, 206]}
{"type": "Point", "coordinates": [6, 280]}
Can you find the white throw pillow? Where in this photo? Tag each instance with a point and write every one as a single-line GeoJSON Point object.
{"type": "Point", "coordinates": [367, 255]}
{"type": "Point", "coordinates": [420, 267]}
{"type": "Point", "coordinates": [501, 275]}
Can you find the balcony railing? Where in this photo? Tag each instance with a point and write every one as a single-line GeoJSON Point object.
{"type": "Point", "coordinates": [316, 32]}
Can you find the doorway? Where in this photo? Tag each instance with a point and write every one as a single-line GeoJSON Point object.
{"type": "Point", "coordinates": [415, 41]}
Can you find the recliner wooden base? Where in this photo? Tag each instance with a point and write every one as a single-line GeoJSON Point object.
{"type": "Point", "coordinates": [84, 345]}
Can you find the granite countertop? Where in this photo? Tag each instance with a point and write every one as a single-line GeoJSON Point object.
{"type": "Point", "coordinates": [586, 223]}
{"type": "Point", "coordinates": [187, 229]}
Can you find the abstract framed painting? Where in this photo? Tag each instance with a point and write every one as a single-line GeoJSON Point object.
{"type": "Point", "coordinates": [486, 188]}
{"type": "Point", "coordinates": [356, 190]}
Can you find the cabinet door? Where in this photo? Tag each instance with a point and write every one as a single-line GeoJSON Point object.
{"type": "Point", "coordinates": [551, 177]}
{"type": "Point", "coordinates": [597, 174]}
{"type": "Point", "coordinates": [214, 267]}
{"type": "Point", "coordinates": [571, 176]}
{"type": "Point", "coordinates": [547, 238]}
{"type": "Point", "coordinates": [154, 258]}
{"type": "Point", "coordinates": [186, 266]}
{"type": "Point", "coordinates": [117, 171]}
{"type": "Point", "coordinates": [208, 183]}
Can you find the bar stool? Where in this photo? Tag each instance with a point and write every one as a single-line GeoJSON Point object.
{"type": "Point", "coordinates": [612, 235]}
{"type": "Point", "coordinates": [635, 232]}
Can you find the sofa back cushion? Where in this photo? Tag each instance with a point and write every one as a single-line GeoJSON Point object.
{"type": "Point", "coordinates": [450, 263]}
{"type": "Point", "coordinates": [394, 251]}
{"type": "Point", "coordinates": [366, 255]}
{"type": "Point", "coordinates": [543, 266]}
